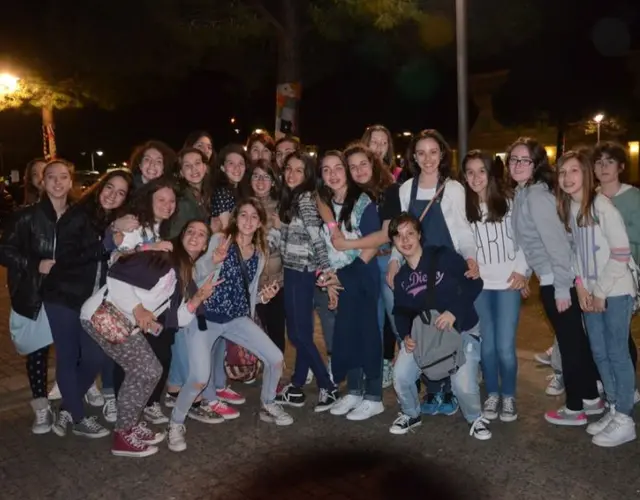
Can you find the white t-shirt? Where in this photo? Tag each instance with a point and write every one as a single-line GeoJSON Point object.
{"type": "Point", "coordinates": [496, 254]}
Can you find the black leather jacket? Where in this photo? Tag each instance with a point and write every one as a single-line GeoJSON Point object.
{"type": "Point", "coordinates": [34, 234]}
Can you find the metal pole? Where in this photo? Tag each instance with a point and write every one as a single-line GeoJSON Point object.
{"type": "Point", "coordinates": [93, 163]}
{"type": "Point", "coordinates": [461, 56]}
{"type": "Point", "coordinates": [598, 139]}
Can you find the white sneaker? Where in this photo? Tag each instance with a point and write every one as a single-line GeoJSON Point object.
{"type": "Point", "coordinates": [94, 397]}
{"type": "Point", "coordinates": [636, 397]}
{"type": "Point", "coordinates": [273, 413]}
{"type": "Point", "coordinates": [479, 429]}
{"type": "Point", "coordinates": [309, 377]}
{"type": "Point", "coordinates": [620, 430]}
{"type": "Point", "coordinates": [176, 437]}
{"type": "Point", "coordinates": [597, 427]}
{"type": "Point", "coordinates": [366, 409]}
{"type": "Point", "coordinates": [54, 393]}
{"type": "Point", "coordinates": [346, 404]}
{"type": "Point", "coordinates": [110, 409]}
{"type": "Point", "coordinates": [43, 419]}
{"type": "Point", "coordinates": [154, 415]}
{"type": "Point", "coordinates": [556, 385]}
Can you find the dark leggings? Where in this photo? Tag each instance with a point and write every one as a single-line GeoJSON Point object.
{"type": "Point", "coordinates": [389, 340]}
{"type": "Point", "coordinates": [37, 364]}
{"type": "Point", "coordinates": [271, 316]}
{"type": "Point", "coordinates": [633, 350]}
{"type": "Point", "coordinates": [161, 347]}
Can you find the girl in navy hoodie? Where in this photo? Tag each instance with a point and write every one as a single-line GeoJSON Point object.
{"type": "Point", "coordinates": [455, 295]}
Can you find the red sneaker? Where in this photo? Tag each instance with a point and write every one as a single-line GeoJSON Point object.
{"type": "Point", "coordinates": [146, 435]}
{"type": "Point", "coordinates": [126, 444]}
{"type": "Point", "coordinates": [224, 410]}
{"type": "Point", "coordinates": [228, 395]}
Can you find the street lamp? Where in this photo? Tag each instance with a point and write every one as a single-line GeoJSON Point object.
{"type": "Point", "coordinates": [598, 119]}
{"type": "Point", "coordinates": [462, 73]}
{"type": "Point", "coordinates": [8, 83]}
{"type": "Point", "coordinates": [93, 160]}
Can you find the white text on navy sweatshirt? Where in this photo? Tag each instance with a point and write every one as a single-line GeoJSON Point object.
{"type": "Point", "coordinates": [454, 292]}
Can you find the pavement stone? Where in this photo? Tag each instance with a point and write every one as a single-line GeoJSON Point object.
{"type": "Point", "coordinates": [323, 456]}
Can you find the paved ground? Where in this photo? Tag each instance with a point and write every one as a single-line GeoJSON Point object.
{"type": "Point", "coordinates": [322, 456]}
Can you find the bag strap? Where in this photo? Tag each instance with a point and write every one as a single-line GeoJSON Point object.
{"type": "Point", "coordinates": [433, 200]}
{"type": "Point", "coordinates": [245, 273]}
{"type": "Point", "coordinates": [430, 295]}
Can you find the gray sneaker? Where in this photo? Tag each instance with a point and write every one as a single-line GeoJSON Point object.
{"type": "Point", "coordinates": [62, 422]}
{"type": "Point", "coordinates": [490, 408]}
{"type": "Point", "coordinates": [509, 412]}
{"type": "Point", "coordinates": [43, 416]}
{"type": "Point", "coordinates": [89, 427]}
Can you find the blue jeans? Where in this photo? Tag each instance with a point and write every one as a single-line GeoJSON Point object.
{"type": "Point", "coordinates": [78, 357]}
{"type": "Point", "coordinates": [499, 312]}
{"type": "Point", "coordinates": [464, 383]}
{"type": "Point", "coordinates": [106, 375]}
{"type": "Point", "coordinates": [327, 317]}
{"type": "Point", "coordinates": [609, 338]}
{"type": "Point", "coordinates": [385, 304]}
{"type": "Point", "coordinates": [200, 345]}
{"type": "Point", "coordinates": [179, 369]}
{"type": "Point", "coordinates": [299, 287]}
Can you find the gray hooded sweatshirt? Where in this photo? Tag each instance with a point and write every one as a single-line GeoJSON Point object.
{"type": "Point", "coordinates": [541, 235]}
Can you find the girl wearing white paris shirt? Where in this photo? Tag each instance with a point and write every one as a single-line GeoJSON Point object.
{"type": "Point", "coordinates": [503, 270]}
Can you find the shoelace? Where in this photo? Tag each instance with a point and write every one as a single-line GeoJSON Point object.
{"type": "Point", "coordinates": [508, 405]}
{"type": "Point", "coordinates": [324, 395]}
{"type": "Point", "coordinates": [92, 423]}
{"type": "Point", "coordinates": [42, 416]}
{"type": "Point", "coordinates": [275, 410]}
{"type": "Point", "coordinates": [176, 431]}
{"type": "Point", "coordinates": [155, 410]}
{"type": "Point", "coordinates": [134, 442]}
{"type": "Point", "coordinates": [110, 405]}
{"type": "Point", "coordinates": [64, 418]}
{"type": "Point", "coordinates": [479, 424]}
{"type": "Point", "coordinates": [491, 404]}
{"type": "Point", "coordinates": [142, 428]}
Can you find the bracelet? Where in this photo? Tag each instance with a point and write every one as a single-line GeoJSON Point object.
{"type": "Point", "coordinates": [332, 225]}
{"type": "Point", "coordinates": [190, 307]}
{"type": "Point", "coordinates": [579, 281]}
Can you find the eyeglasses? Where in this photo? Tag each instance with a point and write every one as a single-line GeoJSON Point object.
{"type": "Point", "coordinates": [258, 177]}
{"type": "Point", "coordinates": [525, 162]}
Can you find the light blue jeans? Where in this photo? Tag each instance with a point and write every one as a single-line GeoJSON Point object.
{"type": "Point", "coordinates": [179, 369]}
{"type": "Point", "coordinates": [499, 312]}
{"type": "Point", "coordinates": [609, 338]}
{"type": "Point", "coordinates": [201, 348]}
{"type": "Point", "coordinates": [385, 304]}
{"type": "Point", "coordinates": [464, 383]}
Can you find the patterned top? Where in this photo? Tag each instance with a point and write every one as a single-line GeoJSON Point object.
{"type": "Point", "coordinates": [222, 201]}
{"type": "Point", "coordinates": [230, 298]}
{"type": "Point", "coordinates": [301, 245]}
{"type": "Point", "coordinates": [339, 259]}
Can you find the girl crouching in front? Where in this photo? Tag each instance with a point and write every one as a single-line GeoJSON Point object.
{"type": "Point", "coordinates": [140, 287]}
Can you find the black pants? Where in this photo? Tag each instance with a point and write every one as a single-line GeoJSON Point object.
{"type": "Point", "coordinates": [272, 317]}
{"type": "Point", "coordinates": [578, 369]}
{"type": "Point", "coordinates": [389, 340]}
{"type": "Point", "coordinates": [161, 347]}
{"type": "Point", "coordinates": [633, 350]}
{"type": "Point", "coordinates": [37, 365]}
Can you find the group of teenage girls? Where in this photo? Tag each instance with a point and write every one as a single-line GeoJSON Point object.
{"type": "Point", "coordinates": [197, 250]}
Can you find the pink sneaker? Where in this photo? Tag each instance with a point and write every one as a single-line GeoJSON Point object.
{"type": "Point", "coordinates": [564, 416]}
{"type": "Point", "coordinates": [224, 410]}
{"type": "Point", "coordinates": [228, 395]}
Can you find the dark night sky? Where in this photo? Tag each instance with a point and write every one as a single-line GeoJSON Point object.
{"type": "Point", "coordinates": [336, 108]}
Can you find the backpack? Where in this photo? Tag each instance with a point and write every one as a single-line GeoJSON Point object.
{"type": "Point", "coordinates": [438, 353]}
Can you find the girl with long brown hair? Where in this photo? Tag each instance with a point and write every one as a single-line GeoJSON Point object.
{"type": "Point", "coordinates": [237, 258]}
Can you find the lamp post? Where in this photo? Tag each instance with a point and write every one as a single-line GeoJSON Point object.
{"type": "Point", "coordinates": [93, 159]}
{"type": "Point", "coordinates": [598, 119]}
{"type": "Point", "coordinates": [461, 63]}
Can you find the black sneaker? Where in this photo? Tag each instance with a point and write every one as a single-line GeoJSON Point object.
{"type": "Point", "coordinates": [404, 423]}
{"type": "Point", "coordinates": [326, 400]}
{"type": "Point", "coordinates": [291, 396]}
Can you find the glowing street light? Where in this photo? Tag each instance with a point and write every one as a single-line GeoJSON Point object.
{"type": "Point", "coordinates": [598, 119]}
{"type": "Point", "coordinates": [8, 83]}
{"type": "Point", "coordinates": [233, 120]}
{"type": "Point", "coordinates": [407, 134]}
{"type": "Point", "coordinates": [258, 131]}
